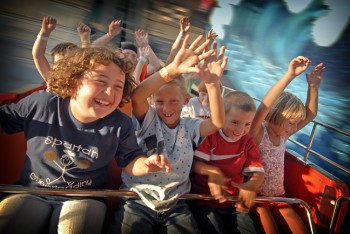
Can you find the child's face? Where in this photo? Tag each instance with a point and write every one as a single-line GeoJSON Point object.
{"type": "Point", "coordinates": [237, 123]}
{"type": "Point", "coordinates": [287, 128]}
{"type": "Point", "coordinates": [169, 101]}
{"type": "Point", "coordinates": [203, 98]}
{"type": "Point", "coordinates": [100, 93]}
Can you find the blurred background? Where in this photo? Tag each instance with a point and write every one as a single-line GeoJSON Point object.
{"type": "Point", "coordinates": [260, 36]}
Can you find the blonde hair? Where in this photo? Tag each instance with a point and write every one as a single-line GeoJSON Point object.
{"type": "Point", "coordinates": [66, 75]}
{"type": "Point", "coordinates": [180, 83]}
{"type": "Point", "coordinates": [287, 106]}
{"type": "Point", "coordinates": [239, 100]}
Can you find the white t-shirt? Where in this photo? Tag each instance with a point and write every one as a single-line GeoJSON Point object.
{"type": "Point", "coordinates": [195, 109]}
{"type": "Point", "coordinates": [160, 190]}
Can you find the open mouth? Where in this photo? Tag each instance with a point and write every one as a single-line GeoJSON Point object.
{"type": "Point", "coordinates": [168, 115]}
{"type": "Point", "coordinates": [102, 102]}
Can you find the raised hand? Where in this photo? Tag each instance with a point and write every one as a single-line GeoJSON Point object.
{"type": "Point", "coordinates": [141, 38]}
{"type": "Point", "coordinates": [212, 68]}
{"type": "Point", "coordinates": [48, 24]}
{"type": "Point", "coordinates": [298, 65]}
{"type": "Point", "coordinates": [84, 33]}
{"type": "Point", "coordinates": [184, 24]}
{"type": "Point", "coordinates": [115, 28]}
{"type": "Point", "coordinates": [186, 59]}
{"type": "Point", "coordinates": [315, 77]}
{"type": "Point", "coordinates": [157, 163]}
{"type": "Point", "coordinates": [211, 35]}
{"type": "Point", "coordinates": [144, 52]}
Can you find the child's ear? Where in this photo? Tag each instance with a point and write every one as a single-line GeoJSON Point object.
{"type": "Point", "coordinates": [187, 98]}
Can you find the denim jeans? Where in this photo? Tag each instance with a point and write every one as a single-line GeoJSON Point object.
{"type": "Point", "coordinates": [134, 217]}
{"type": "Point", "coordinates": [222, 220]}
{"type": "Point", "coordinates": [26, 213]}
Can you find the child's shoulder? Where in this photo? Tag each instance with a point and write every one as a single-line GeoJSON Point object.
{"type": "Point", "coordinates": [191, 122]}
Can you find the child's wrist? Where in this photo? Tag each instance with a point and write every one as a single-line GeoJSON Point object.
{"type": "Point", "coordinates": [164, 74]}
{"type": "Point", "coordinates": [181, 35]}
{"type": "Point", "coordinates": [42, 38]}
{"type": "Point", "coordinates": [142, 59]}
{"type": "Point", "coordinates": [109, 35]}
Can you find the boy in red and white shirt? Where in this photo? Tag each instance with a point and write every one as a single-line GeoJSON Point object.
{"type": "Point", "coordinates": [228, 162]}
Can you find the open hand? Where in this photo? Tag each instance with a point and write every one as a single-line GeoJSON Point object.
{"type": "Point", "coordinates": [115, 28]}
{"type": "Point", "coordinates": [315, 77]}
{"type": "Point", "coordinates": [212, 68]}
{"type": "Point", "coordinates": [157, 163]}
{"type": "Point", "coordinates": [185, 24]}
{"type": "Point", "coordinates": [298, 65]}
{"type": "Point", "coordinates": [186, 59]}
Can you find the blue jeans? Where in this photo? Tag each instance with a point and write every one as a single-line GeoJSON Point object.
{"type": "Point", "coordinates": [26, 213]}
{"type": "Point", "coordinates": [222, 220]}
{"type": "Point", "coordinates": [133, 217]}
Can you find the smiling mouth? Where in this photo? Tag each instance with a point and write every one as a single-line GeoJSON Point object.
{"type": "Point", "coordinates": [237, 135]}
{"type": "Point", "coordinates": [168, 115]}
{"type": "Point", "coordinates": [101, 102]}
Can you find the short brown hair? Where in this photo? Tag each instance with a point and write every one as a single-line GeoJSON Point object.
{"type": "Point", "coordinates": [240, 100]}
{"type": "Point", "coordinates": [62, 48]}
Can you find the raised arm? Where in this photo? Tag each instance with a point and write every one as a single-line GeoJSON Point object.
{"type": "Point", "coordinates": [84, 34]}
{"type": "Point", "coordinates": [142, 42]}
{"type": "Point", "coordinates": [40, 44]}
{"type": "Point", "coordinates": [141, 61]}
{"type": "Point", "coordinates": [210, 72]}
{"type": "Point", "coordinates": [184, 27]}
{"type": "Point", "coordinates": [184, 62]}
{"type": "Point", "coordinates": [114, 28]}
{"type": "Point", "coordinates": [311, 106]}
{"type": "Point", "coordinates": [296, 67]}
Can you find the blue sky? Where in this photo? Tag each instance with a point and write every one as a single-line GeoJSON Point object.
{"type": "Point", "coordinates": [326, 30]}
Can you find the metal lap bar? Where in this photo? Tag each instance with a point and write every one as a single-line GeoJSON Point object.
{"type": "Point", "coordinates": [336, 211]}
{"type": "Point", "coordinates": [125, 193]}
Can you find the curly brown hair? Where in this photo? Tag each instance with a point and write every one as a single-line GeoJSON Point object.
{"type": "Point", "coordinates": [67, 74]}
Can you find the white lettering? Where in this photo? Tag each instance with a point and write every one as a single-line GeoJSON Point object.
{"type": "Point", "coordinates": [77, 148]}
{"type": "Point", "coordinates": [70, 185]}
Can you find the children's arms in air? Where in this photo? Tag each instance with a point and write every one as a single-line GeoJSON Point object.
{"type": "Point", "coordinates": [142, 42]}
{"type": "Point", "coordinates": [210, 72]}
{"type": "Point", "coordinates": [39, 47]}
{"type": "Point", "coordinates": [184, 27]}
{"type": "Point", "coordinates": [184, 62]}
{"type": "Point", "coordinates": [84, 34]}
{"type": "Point", "coordinates": [114, 28]}
{"type": "Point", "coordinates": [311, 105]}
{"type": "Point", "coordinates": [296, 67]}
{"type": "Point", "coordinates": [142, 60]}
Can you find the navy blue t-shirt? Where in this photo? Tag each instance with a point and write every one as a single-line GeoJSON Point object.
{"type": "Point", "coordinates": [63, 152]}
